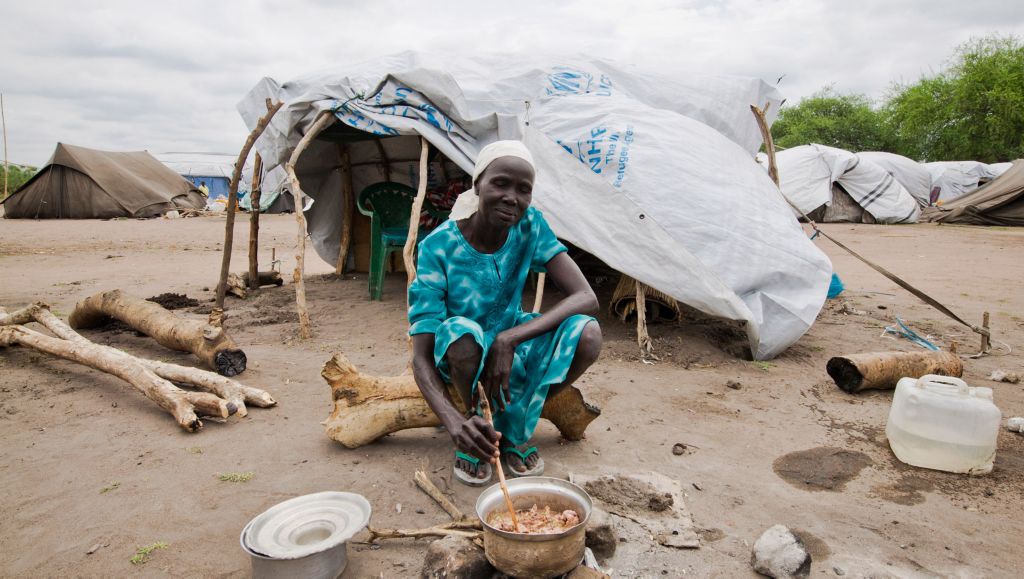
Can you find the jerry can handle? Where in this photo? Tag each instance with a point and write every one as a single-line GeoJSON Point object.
{"type": "Point", "coordinates": [959, 384]}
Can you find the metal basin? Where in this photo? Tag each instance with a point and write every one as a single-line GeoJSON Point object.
{"type": "Point", "coordinates": [304, 537]}
{"type": "Point", "coordinates": [522, 555]}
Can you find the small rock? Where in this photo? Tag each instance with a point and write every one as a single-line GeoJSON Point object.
{"type": "Point", "coordinates": [113, 404]}
{"type": "Point", "coordinates": [420, 512]}
{"type": "Point", "coordinates": [679, 449]}
{"type": "Point", "coordinates": [582, 572]}
{"type": "Point", "coordinates": [734, 384]}
{"type": "Point", "coordinates": [94, 548]}
{"type": "Point", "coordinates": [697, 486]}
{"type": "Point", "coordinates": [1015, 424]}
{"type": "Point", "coordinates": [1004, 376]}
{"type": "Point", "coordinates": [839, 570]}
{"type": "Point", "coordinates": [600, 535]}
{"type": "Point", "coordinates": [779, 553]}
{"type": "Point", "coordinates": [455, 558]}
{"type": "Point", "coordinates": [398, 508]}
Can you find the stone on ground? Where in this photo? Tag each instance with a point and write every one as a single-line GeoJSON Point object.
{"type": "Point", "coordinates": [455, 558]}
{"type": "Point", "coordinates": [779, 553]}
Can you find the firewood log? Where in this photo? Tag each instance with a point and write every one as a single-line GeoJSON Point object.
{"type": "Point", "coordinates": [206, 340]}
{"type": "Point", "coordinates": [369, 407]}
{"type": "Point", "coordinates": [882, 370]}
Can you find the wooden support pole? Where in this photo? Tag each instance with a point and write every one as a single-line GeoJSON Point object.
{"type": "Point", "coordinates": [348, 203]}
{"type": "Point", "coordinates": [385, 162]}
{"type": "Point", "coordinates": [986, 340]}
{"type": "Point", "coordinates": [409, 250]}
{"type": "Point", "coordinates": [236, 176]}
{"type": "Point", "coordinates": [769, 145]}
{"type": "Point", "coordinates": [7, 168]}
{"type": "Point", "coordinates": [254, 222]}
{"type": "Point", "coordinates": [325, 119]}
{"type": "Point", "coordinates": [540, 292]}
{"type": "Point", "coordinates": [643, 339]}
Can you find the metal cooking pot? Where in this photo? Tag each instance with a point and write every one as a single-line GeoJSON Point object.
{"type": "Point", "coordinates": [522, 555]}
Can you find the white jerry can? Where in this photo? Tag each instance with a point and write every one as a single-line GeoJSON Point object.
{"type": "Point", "coordinates": [939, 422]}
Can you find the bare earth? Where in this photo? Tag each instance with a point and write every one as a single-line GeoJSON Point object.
{"type": "Point", "coordinates": [69, 432]}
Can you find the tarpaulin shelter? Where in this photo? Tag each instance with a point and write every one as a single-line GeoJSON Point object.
{"type": "Point", "coordinates": [1000, 202]}
{"type": "Point", "coordinates": [843, 186]}
{"type": "Point", "coordinates": [81, 183]}
{"type": "Point", "coordinates": [914, 176]}
{"type": "Point", "coordinates": [214, 169]}
{"type": "Point", "coordinates": [954, 179]}
{"type": "Point", "coordinates": [654, 174]}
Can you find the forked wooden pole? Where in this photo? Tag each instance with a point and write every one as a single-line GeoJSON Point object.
{"type": "Point", "coordinates": [348, 208]}
{"type": "Point", "coordinates": [643, 339]}
{"type": "Point", "coordinates": [236, 176]}
{"type": "Point", "coordinates": [254, 223]}
{"type": "Point", "coordinates": [409, 250]}
{"type": "Point", "coordinates": [540, 292]}
{"type": "Point", "coordinates": [325, 119]}
{"type": "Point", "coordinates": [769, 145]}
{"type": "Point", "coordinates": [7, 168]}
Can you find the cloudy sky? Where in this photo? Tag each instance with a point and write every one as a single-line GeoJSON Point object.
{"type": "Point", "coordinates": [165, 76]}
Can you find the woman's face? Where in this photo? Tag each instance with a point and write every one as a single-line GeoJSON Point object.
{"type": "Point", "coordinates": [506, 190]}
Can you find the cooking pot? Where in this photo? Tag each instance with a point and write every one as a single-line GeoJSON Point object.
{"type": "Point", "coordinates": [523, 555]}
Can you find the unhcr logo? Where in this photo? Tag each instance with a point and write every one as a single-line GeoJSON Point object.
{"type": "Point", "coordinates": [568, 81]}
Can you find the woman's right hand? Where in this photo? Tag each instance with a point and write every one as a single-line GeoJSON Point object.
{"type": "Point", "coordinates": [475, 436]}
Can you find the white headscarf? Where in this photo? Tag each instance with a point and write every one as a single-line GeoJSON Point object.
{"type": "Point", "coordinates": [469, 201]}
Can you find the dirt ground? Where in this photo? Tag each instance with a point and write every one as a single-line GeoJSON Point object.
{"type": "Point", "coordinates": [87, 461]}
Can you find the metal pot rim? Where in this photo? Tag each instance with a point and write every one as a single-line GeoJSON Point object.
{"type": "Point", "coordinates": [536, 484]}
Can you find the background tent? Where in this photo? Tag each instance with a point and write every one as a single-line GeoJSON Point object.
{"type": "Point", "coordinates": [914, 176]}
{"type": "Point", "coordinates": [81, 183]}
{"type": "Point", "coordinates": [1000, 202]}
{"type": "Point", "coordinates": [954, 179]}
{"type": "Point", "coordinates": [214, 169]}
{"type": "Point", "coordinates": [653, 174]}
{"type": "Point", "coordinates": [808, 175]}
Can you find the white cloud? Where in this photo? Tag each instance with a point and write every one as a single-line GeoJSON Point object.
{"type": "Point", "coordinates": [166, 76]}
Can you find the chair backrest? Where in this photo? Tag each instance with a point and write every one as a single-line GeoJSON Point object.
{"type": "Point", "coordinates": [392, 202]}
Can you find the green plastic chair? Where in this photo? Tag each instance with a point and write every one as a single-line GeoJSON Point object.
{"type": "Point", "coordinates": [388, 205]}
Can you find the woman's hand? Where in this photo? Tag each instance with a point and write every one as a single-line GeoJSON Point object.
{"type": "Point", "coordinates": [498, 369]}
{"type": "Point", "coordinates": [475, 436]}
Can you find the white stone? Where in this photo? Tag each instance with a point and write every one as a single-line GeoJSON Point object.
{"type": "Point", "coordinates": [779, 553]}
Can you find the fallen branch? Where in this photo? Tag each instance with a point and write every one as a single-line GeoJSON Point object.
{"type": "Point", "coordinates": [469, 529]}
{"type": "Point", "coordinates": [426, 485]}
{"type": "Point", "coordinates": [240, 286]}
{"type": "Point", "coordinates": [369, 407]}
{"type": "Point", "coordinates": [220, 396]}
{"type": "Point", "coordinates": [206, 340]}
{"type": "Point", "coordinates": [882, 370]}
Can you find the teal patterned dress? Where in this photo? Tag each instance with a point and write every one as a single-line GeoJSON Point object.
{"type": "Point", "coordinates": [460, 291]}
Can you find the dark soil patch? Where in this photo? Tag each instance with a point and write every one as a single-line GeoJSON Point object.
{"type": "Point", "coordinates": [630, 493]}
{"type": "Point", "coordinates": [908, 490]}
{"type": "Point", "coordinates": [818, 549]}
{"type": "Point", "coordinates": [173, 301]}
{"type": "Point", "coordinates": [820, 469]}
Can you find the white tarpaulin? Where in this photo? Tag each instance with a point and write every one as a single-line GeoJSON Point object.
{"type": "Point", "coordinates": [807, 172]}
{"type": "Point", "coordinates": [654, 176]}
{"type": "Point", "coordinates": [953, 179]}
{"type": "Point", "coordinates": [914, 176]}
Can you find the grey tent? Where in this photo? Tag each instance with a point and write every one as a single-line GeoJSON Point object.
{"type": "Point", "coordinates": [81, 183]}
{"type": "Point", "coordinates": [1000, 202]}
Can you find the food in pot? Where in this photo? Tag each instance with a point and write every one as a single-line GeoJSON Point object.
{"type": "Point", "coordinates": [535, 521]}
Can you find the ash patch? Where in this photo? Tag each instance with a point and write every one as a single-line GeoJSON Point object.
{"type": "Point", "coordinates": [820, 469]}
{"type": "Point", "coordinates": [630, 493]}
{"type": "Point", "coordinates": [172, 301]}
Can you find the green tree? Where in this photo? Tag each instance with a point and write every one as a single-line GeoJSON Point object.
{"type": "Point", "coordinates": [974, 109]}
{"type": "Point", "coordinates": [828, 118]}
{"type": "Point", "coordinates": [17, 176]}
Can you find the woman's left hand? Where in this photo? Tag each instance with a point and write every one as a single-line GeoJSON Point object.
{"type": "Point", "coordinates": [498, 369]}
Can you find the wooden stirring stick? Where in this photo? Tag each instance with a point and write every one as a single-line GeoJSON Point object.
{"type": "Point", "coordinates": [501, 473]}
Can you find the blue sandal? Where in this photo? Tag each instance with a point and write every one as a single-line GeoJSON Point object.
{"type": "Point", "coordinates": [537, 470]}
{"type": "Point", "coordinates": [468, 479]}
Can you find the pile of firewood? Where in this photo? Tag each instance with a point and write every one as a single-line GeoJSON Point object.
{"type": "Point", "coordinates": [214, 394]}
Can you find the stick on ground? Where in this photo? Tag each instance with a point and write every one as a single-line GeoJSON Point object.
{"type": "Point", "coordinates": [426, 485]}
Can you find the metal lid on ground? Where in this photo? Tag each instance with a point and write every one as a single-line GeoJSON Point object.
{"type": "Point", "coordinates": [306, 525]}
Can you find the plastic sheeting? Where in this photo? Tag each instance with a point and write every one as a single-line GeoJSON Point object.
{"type": "Point", "coordinates": [914, 176]}
{"type": "Point", "coordinates": [807, 172]}
{"type": "Point", "coordinates": [655, 176]}
{"type": "Point", "coordinates": [953, 179]}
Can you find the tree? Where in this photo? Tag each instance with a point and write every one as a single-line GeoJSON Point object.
{"type": "Point", "coordinates": [828, 118]}
{"type": "Point", "coordinates": [974, 109]}
{"type": "Point", "coordinates": [16, 177]}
